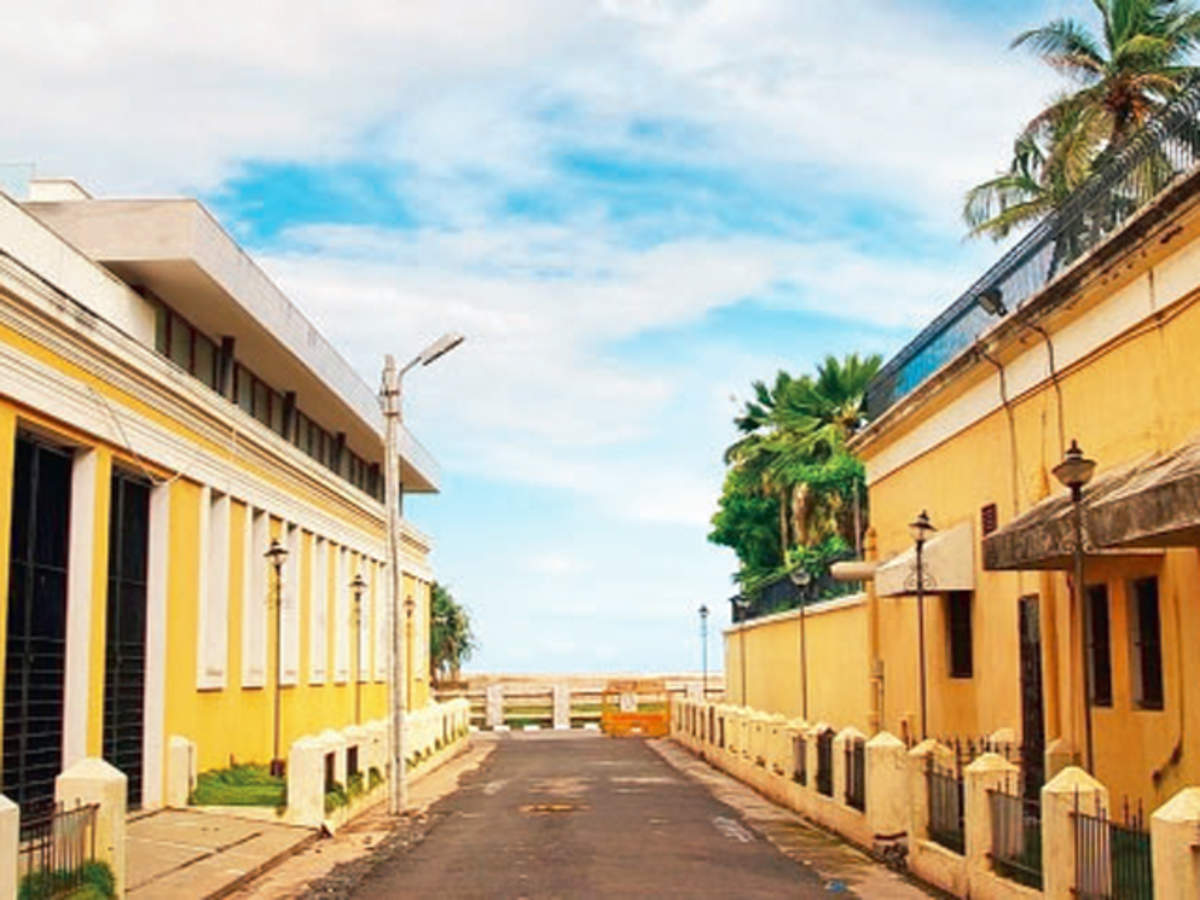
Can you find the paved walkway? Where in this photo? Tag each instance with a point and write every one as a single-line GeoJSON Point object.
{"type": "Point", "coordinates": [573, 815]}
{"type": "Point", "coordinates": [177, 853]}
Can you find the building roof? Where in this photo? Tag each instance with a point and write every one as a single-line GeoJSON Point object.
{"type": "Point", "coordinates": [177, 250]}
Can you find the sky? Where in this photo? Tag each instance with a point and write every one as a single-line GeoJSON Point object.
{"type": "Point", "coordinates": [631, 208]}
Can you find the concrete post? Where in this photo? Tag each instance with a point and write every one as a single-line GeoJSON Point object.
{"type": "Point", "coordinates": [92, 780]}
{"type": "Point", "coordinates": [1059, 754]}
{"type": "Point", "coordinates": [562, 706]}
{"type": "Point", "coordinates": [1070, 789]}
{"type": "Point", "coordinates": [495, 705]}
{"type": "Point", "coordinates": [1174, 836]}
{"type": "Point", "coordinates": [181, 771]}
{"type": "Point", "coordinates": [920, 758]}
{"type": "Point", "coordinates": [10, 826]}
{"type": "Point", "coordinates": [841, 741]}
{"type": "Point", "coordinates": [306, 782]}
{"type": "Point", "coordinates": [987, 772]}
{"type": "Point", "coordinates": [887, 787]}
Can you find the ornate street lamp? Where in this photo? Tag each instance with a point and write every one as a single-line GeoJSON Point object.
{"type": "Point", "coordinates": [801, 579]}
{"type": "Point", "coordinates": [1075, 471]}
{"type": "Point", "coordinates": [921, 530]}
{"type": "Point", "coordinates": [358, 585]}
{"type": "Point", "coordinates": [277, 554]}
{"type": "Point", "coordinates": [704, 647]}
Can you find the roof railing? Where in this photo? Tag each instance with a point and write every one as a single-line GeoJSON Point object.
{"type": "Point", "coordinates": [1126, 179]}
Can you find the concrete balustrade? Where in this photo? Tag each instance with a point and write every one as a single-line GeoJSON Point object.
{"type": "Point", "coordinates": [10, 829]}
{"type": "Point", "coordinates": [92, 780]}
{"type": "Point", "coordinates": [896, 822]}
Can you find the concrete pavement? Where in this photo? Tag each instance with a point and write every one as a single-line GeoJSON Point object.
{"type": "Point", "coordinates": [572, 815]}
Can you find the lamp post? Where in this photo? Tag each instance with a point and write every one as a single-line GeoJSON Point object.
{"type": "Point", "coordinates": [740, 605]}
{"type": "Point", "coordinates": [1075, 471]}
{"type": "Point", "coordinates": [704, 647]}
{"type": "Point", "coordinates": [801, 579]}
{"type": "Point", "coordinates": [390, 399]}
{"type": "Point", "coordinates": [358, 585]}
{"type": "Point", "coordinates": [921, 529]}
{"type": "Point", "coordinates": [277, 554]}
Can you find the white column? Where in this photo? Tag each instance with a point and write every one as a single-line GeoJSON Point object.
{"type": "Point", "coordinates": [80, 571]}
{"type": "Point", "coordinates": [153, 733]}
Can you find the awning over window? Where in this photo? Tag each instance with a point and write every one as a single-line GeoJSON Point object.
{"type": "Point", "coordinates": [1152, 503]}
{"type": "Point", "coordinates": [948, 563]}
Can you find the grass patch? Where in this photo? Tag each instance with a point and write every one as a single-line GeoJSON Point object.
{"type": "Point", "coordinates": [95, 882]}
{"type": "Point", "coordinates": [247, 784]}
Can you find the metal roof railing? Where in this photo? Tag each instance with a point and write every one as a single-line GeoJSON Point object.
{"type": "Point", "coordinates": [1153, 159]}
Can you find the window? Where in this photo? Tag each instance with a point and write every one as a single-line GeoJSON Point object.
{"type": "Point", "coordinates": [958, 626]}
{"type": "Point", "coordinates": [1099, 645]}
{"type": "Point", "coordinates": [204, 353]}
{"type": "Point", "coordinates": [180, 343]}
{"type": "Point", "coordinates": [1145, 639]}
{"type": "Point", "coordinates": [245, 390]}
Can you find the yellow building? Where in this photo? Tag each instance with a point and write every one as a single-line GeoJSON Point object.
{"type": "Point", "coordinates": [165, 414]}
{"type": "Point", "coordinates": [1087, 330]}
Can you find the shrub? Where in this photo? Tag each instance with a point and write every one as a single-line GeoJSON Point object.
{"type": "Point", "coordinates": [374, 778]}
{"type": "Point", "coordinates": [354, 785]}
{"type": "Point", "coordinates": [335, 797]}
{"type": "Point", "coordinates": [247, 784]}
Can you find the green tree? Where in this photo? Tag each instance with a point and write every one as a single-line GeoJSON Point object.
{"type": "Point", "coordinates": [1136, 65]}
{"type": "Point", "coordinates": [791, 464]}
{"type": "Point", "coordinates": [451, 639]}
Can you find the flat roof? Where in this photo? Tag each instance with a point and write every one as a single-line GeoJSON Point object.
{"type": "Point", "coordinates": [177, 249]}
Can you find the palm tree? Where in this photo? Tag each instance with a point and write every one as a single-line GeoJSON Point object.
{"type": "Point", "coordinates": [1131, 71]}
{"type": "Point", "coordinates": [451, 639]}
{"type": "Point", "coordinates": [795, 426]}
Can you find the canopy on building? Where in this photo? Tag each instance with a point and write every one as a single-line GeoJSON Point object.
{"type": "Point", "coordinates": [1152, 503]}
{"type": "Point", "coordinates": [948, 561]}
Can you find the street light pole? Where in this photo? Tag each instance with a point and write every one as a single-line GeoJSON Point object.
{"type": "Point", "coordinates": [704, 647]}
{"type": "Point", "coordinates": [397, 687]}
{"type": "Point", "coordinates": [358, 585]}
{"type": "Point", "coordinates": [801, 578]}
{"type": "Point", "coordinates": [920, 529]}
{"type": "Point", "coordinates": [277, 553]}
{"type": "Point", "coordinates": [1074, 472]}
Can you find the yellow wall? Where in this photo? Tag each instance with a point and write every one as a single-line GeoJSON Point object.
{"type": "Point", "coordinates": [1131, 397]}
{"type": "Point", "coordinates": [836, 650]}
{"type": "Point", "coordinates": [235, 722]}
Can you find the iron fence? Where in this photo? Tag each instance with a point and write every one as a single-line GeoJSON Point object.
{"type": "Point", "coordinates": [856, 774]}
{"type": "Point", "coordinates": [1112, 859]}
{"type": "Point", "coordinates": [54, 848]}
{"type": "Point", "coordinates": [825, 763]}
{"type": "Point", "coordinates": [1016, 835]}
{"type": "Point", "coordinates": [782, 594]}
{"type": "Point", "coordinates": [1123, 183]}
{"type": "Point", "coordinates": [800, 760]}
{"type": "Point", "coordinates": [944, 788]}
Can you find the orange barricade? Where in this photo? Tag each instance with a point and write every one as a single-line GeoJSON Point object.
{"type": "Point", "coordinates": [635, 707]}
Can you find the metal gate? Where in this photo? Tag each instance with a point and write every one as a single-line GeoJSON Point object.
{"type": "Point", "coordinates": [35, 640]}
{"type": "Point", "coordinates": [125, 644]}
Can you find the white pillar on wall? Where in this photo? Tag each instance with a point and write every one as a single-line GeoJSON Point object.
{"type": "Point", "coordinates": [154, 724]}
{"type": "Point", "coordinates": [80, 571]}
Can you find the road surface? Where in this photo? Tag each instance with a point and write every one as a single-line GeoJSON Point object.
{"type": "Point", "coordinates": [575, 815]}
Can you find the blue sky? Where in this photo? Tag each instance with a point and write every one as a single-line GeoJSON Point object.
{"type": "Point", "coordinates": [632, 208]}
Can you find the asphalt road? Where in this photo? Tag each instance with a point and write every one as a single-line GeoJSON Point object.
{"type": "Point", "coordinates": [553, 815]}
